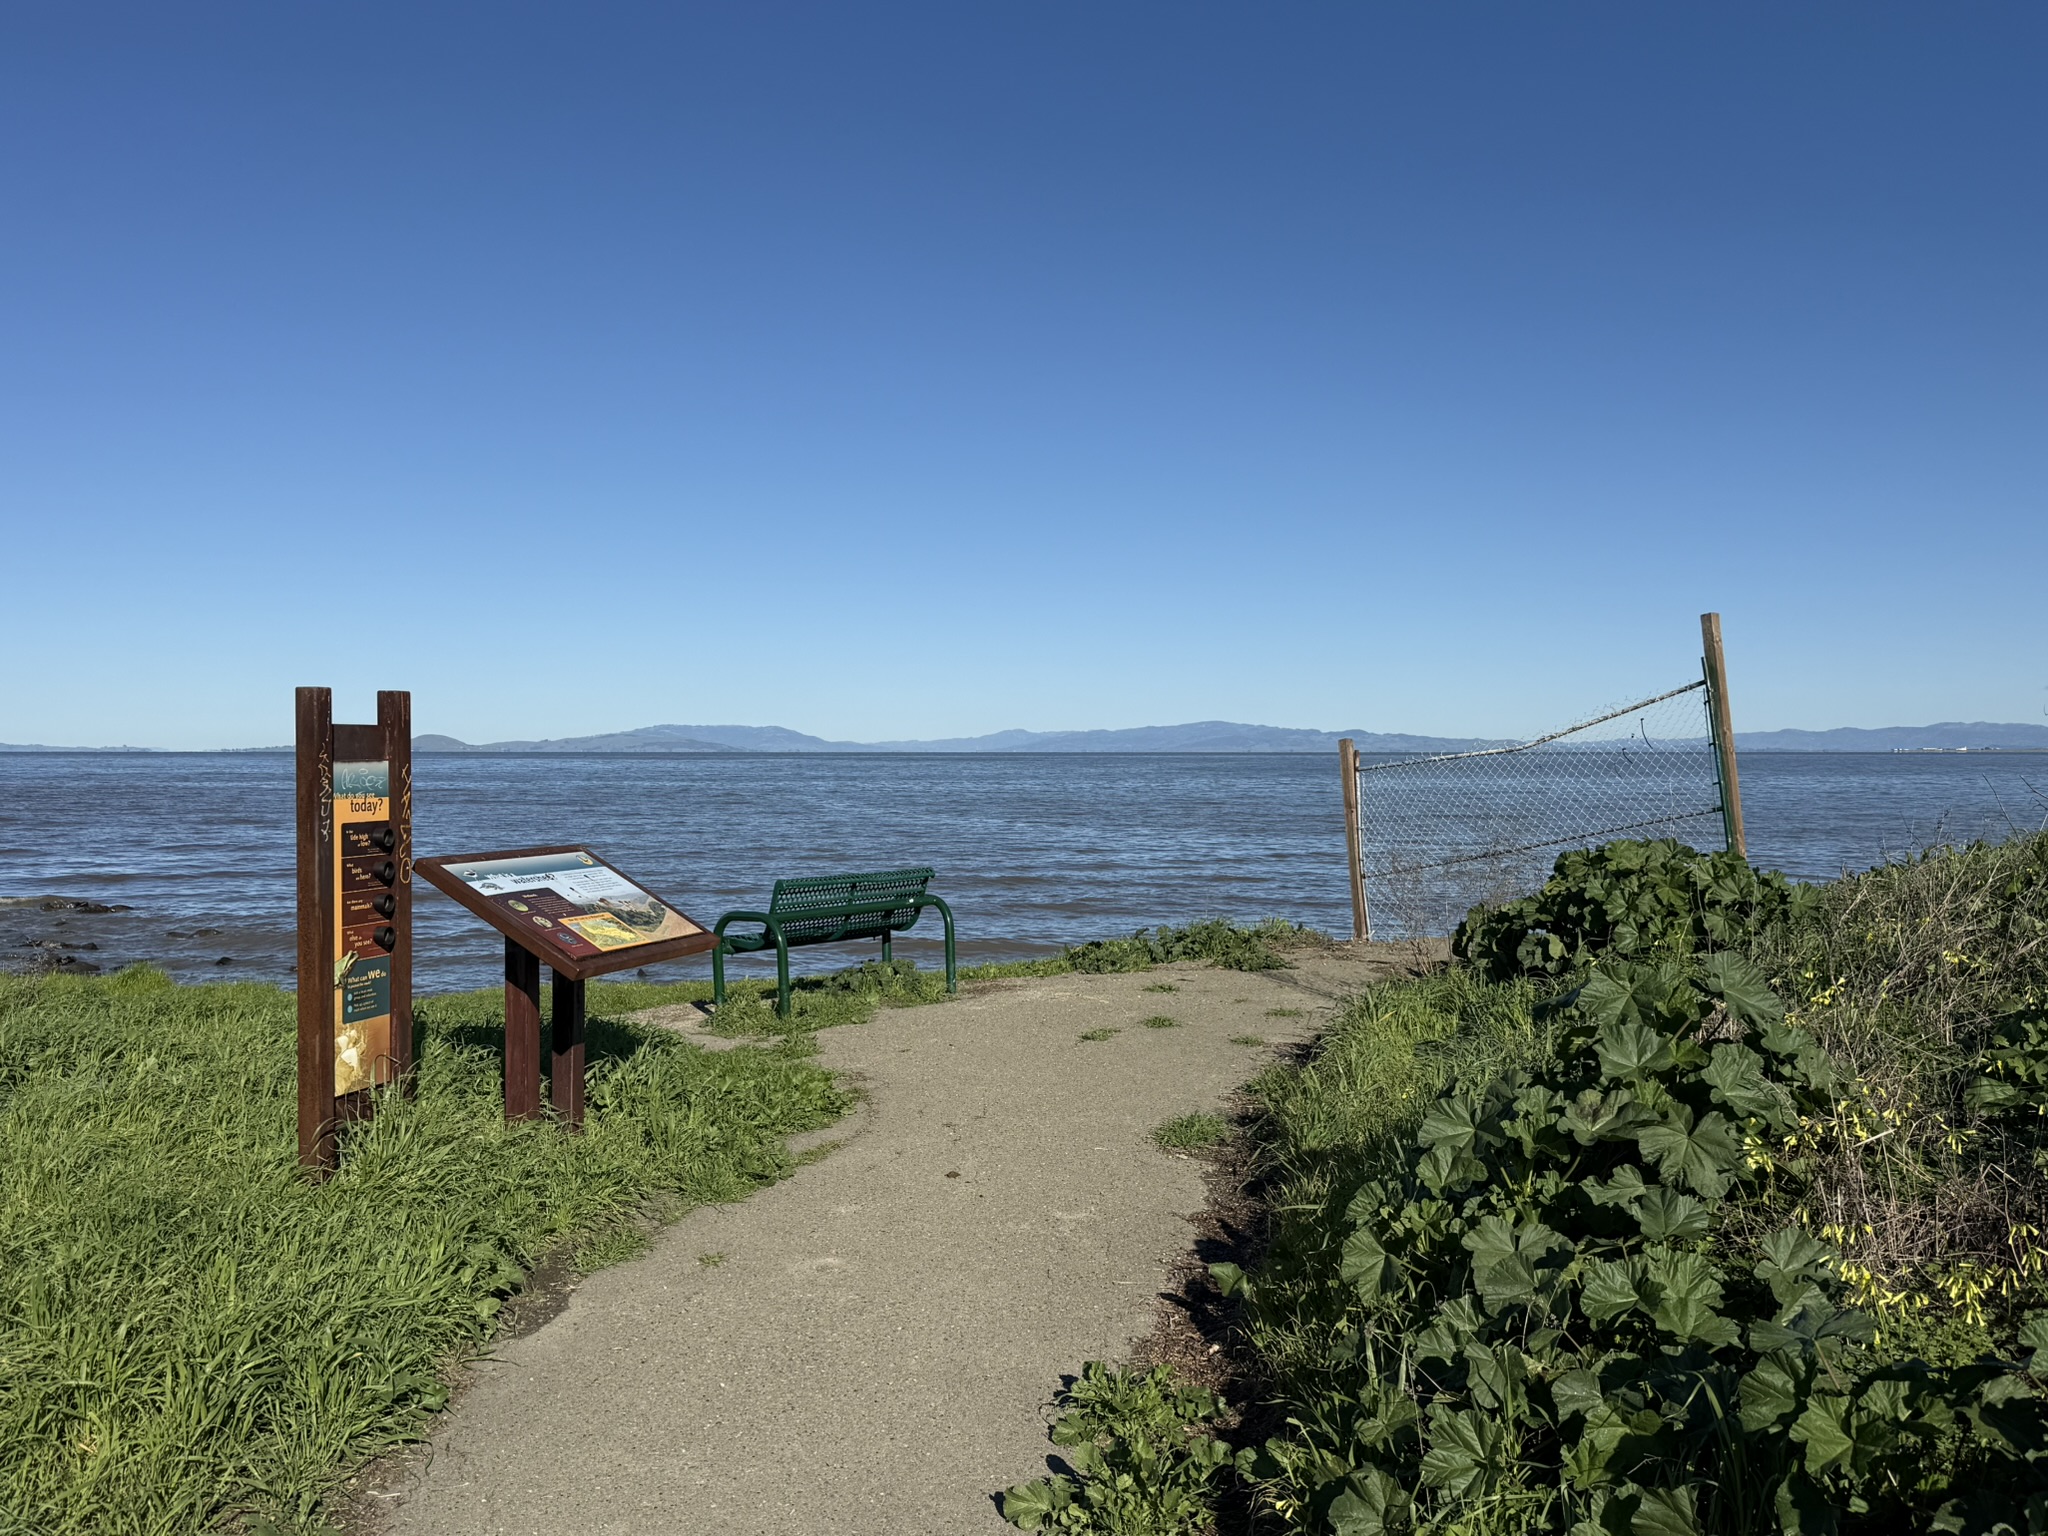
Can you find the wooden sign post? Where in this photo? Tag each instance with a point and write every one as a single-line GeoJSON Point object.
{"type": "Point", "coordinates": [566, 907]}
{"type": "Point", "coordinates": [355, 915]}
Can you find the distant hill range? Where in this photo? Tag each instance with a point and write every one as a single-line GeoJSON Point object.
{"type": "Point", "coordinates": [1200, 736]}
{"type": "Point", "coordinates": [1950, 736]}
{"type": "Point", "coordinates": [1218, 736]}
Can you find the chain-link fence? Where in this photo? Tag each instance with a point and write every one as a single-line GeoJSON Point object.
{"type": "Point", "coordinates": [1439, 835]}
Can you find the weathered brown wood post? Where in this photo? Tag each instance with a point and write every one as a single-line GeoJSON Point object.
{"type": "Point", "coordinates": [1354, 848]}
{"type": "Point", "coordinates": [353, 806]}
{"type": "Point", "coordinates": [1722, 722]}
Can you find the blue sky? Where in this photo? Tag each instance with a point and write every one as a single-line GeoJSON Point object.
{"type": "Point", "coordinates": [921, 370]}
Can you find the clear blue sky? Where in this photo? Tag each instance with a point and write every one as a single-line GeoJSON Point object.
{"type": "Point", "coordinates": [891, 370]}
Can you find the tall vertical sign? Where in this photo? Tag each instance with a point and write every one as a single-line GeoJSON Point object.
{"type": "Point", "coordinates": [354, 803]}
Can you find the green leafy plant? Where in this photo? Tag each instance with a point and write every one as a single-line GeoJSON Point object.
{"type": "Point", "coordinates": [1628, 898]}
{"type": "Point", "coordinates": [1161, 1021]}
{"type": "Point", "coordinates": [1141, 1455]}
{"type": "Point", "coordinates": [1547, 1323]}
{"type": "Point", "coordinates": [1097, 1034]}
{"type": "Point", "coordinates": [1220, 943]}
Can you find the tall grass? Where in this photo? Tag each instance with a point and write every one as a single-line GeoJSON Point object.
{"type": "Point", "coordinates": [189, 1328]}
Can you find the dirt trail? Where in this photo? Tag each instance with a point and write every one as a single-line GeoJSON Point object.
{"type": "Point", "coordinates": [869, 1348]}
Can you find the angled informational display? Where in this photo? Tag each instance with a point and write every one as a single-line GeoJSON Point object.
{"type": "Point", "coordinates": [568, 908]}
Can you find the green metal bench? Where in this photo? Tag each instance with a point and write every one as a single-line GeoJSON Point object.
{"type": "Point", "coordinates": [827, 910]}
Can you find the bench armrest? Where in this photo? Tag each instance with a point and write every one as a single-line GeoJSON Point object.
{"type": "Point", "coordinates": [774, 928]}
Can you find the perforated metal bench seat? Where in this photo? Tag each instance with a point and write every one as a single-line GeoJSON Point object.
{"type": "Point", "coordinates": [829, 909]}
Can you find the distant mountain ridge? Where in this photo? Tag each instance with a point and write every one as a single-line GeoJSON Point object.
{"type": "Point", "coordinates": [1196, 736]}
{"type": "Point", "coordinates": [1222, 736]}
{"type": "Point", "coordinates": [1950, 735]}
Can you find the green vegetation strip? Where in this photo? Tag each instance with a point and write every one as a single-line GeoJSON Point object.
{"type": "Point", "coordinates": [194, 1337]}
{"type": "Point", "coordinates": [1693, 1202]}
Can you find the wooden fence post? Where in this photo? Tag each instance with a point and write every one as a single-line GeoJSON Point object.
{"type": "Point", "coordinates": [1722, 720]}
{"type": "Point", "coordinates": [1361, 918]}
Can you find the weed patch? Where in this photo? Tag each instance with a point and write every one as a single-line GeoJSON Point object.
{"type": "Point", "coordinates": [1161, 1021]}
{"type": "Point", "coordinates": [1096, 1034]}
{"type": "Point", "coordinates": [1185, 1133]}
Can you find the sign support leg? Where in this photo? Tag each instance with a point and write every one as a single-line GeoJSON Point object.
{"type": "Point", "coordinates": [522, 1033]}
{"type": "Point", "coordinates": [565, 1068]}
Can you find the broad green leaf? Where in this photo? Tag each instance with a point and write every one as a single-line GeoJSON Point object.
{"type": "Point", "coordinates": [1667, 1216]}
{"type": "Point", "coordinates": [1736, 1074]}
{"type": "Point", "coordinates": [1451, 1122]}
{"type": "Point", "coordinates": [1229, 1279]}
{"type": "Point", "coordinates": [1366, 1266]}
{"type": "Point", "coordinates": [1623, 1187]}
{"type": "Point", "coordinates": [1793, 1259]}
{"type": "Point", "coordinates": [1506, 1261]}
{"type": "Point", "coordinates": [2034, 1336]}
{"type": "Point", "coordinates": [1464, 1450]}
{"type": "Point", "coordinates": [1823, 1428]}
{"type": "Point", "coordinates": [1770, 1393]}
{"type": "Point", "coordinates": [1743, 989]}
{"type": "Point", "coordinates": [1491, 1239]}
{"type": "Point", "coordinates": [1370, 1504]}
{"type": "Point", "coordinates": [1702, 1155]}
{"type": "Point", "coordinates": [1575, 1392]}
{"type": "Point", "coordinates": [1495, 1377]}
{"type": "Point", "coordinates": [1666, 1512]}
{"type": "Point", "coordinates": [1594, 1116]}
{"type": "Point", "coordinates": [1613, 1287]}
{"type": "Point", "coordinates": [1631, 1051]}
{"type": "Point", "coordinates": [1689, 1295]}
{"type": "Point", "coordinates": [1029, 1505]}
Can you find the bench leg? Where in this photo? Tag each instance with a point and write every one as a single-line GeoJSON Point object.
{"type": "Point", "coordinates": [781, 978]}
{"type": "Point", "coordinates": [886, 955]}
{"type": "Point", "coordinates": [718, 977]}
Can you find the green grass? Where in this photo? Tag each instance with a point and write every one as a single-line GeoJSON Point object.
{"type": "Point", "coordinates": [1161, 1021]}
{"type": "Point", "coordinates": [1187, 1133]}
{"type": "Point", "coordinates": [1283, 1013]}
{"type": "Point", "coordinates": [1097, 1034]}
{"type": "Point", "coordinates": [1161, 986]}
{"type": "Point", "coordinates": [1247, 1039]}
{"type": "Point", "coordinates": [190, 1330]}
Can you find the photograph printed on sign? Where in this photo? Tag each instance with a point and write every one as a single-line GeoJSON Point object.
{"type": "Point", "coordinates": [574, 901]}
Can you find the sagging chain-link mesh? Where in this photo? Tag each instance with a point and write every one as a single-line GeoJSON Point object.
{"type": "Point", "coordinates": [1439, 835]}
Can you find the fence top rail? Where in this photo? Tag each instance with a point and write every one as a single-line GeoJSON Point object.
{"type": "Point", "coordinates": [1524, 746]}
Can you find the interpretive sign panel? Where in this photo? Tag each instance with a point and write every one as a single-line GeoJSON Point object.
{"type": "Point", "coordinates": [355, 914]}
{"type": "Point", "coordinates": [569, 908]}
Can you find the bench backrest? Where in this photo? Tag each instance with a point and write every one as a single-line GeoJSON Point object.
{"type": "Point", "coordinates": [828, 907]}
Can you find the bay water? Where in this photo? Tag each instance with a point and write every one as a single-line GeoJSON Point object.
{"type": "Point", "coordinates": [1033, 851]}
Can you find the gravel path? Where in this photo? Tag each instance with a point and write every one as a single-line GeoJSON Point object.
{"type": "Point", "coordinates": [869, 1348]}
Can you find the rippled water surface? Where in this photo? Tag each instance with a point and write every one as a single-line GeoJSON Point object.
{"type": "Point", "coordinates": [1032, 851]}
